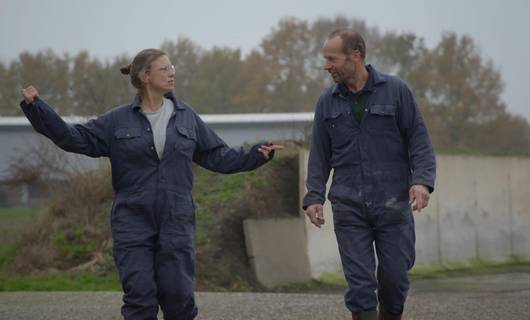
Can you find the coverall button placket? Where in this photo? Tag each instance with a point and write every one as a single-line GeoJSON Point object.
{"type": "Point", "coordinates": [148, 129]}
{"type": "Point", "coordinates": [363, 151]}
{"type": "Point", "coordinates": [161, 175]}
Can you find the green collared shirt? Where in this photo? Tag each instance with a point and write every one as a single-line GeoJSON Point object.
{"type": "Point", "coordinates": [357, 103]}
{"type": "Point", "coordinates": [357, 100]}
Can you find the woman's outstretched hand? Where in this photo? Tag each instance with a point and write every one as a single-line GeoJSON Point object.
{"type": "Point", "coordinates": [30, 94]}
{"type": "Point", "coordinates": [269, 147]}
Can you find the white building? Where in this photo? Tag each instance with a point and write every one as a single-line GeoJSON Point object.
{"type": "Point", "coordinates": [17, 139]}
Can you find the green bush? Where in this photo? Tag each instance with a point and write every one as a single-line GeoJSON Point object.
{"type": "Point", "coordinates": [73, 237]}
{"type": "Point", "coordinates": [74, 242]}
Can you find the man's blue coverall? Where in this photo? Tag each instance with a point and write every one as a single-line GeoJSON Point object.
{"type": "Point", "coordinates": [375, 162]}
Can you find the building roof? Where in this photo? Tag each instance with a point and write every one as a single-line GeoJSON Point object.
{"type": "Point", "coordinates": [208, 118]}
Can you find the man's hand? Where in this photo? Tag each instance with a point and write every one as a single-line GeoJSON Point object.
{"type": "Point", "coordinates": [418, 197]}
{"type": "Point", "coordinates": [30, 94]}
{"type": "Point", "coordinates": [315, 212]}
{"type": "Point", "coordinates": [267, 148]}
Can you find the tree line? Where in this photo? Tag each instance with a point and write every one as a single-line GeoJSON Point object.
{"type": "Point", "coordinates": [456, 89]}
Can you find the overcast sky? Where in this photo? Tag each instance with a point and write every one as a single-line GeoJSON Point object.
{"type": "Point", "coordinates": [106, 28]}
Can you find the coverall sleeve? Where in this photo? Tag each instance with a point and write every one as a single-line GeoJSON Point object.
{"type": "Point", "coordinates": [421, 152]}
{"type": "Point", "coordinates": [89, 139]}
{"type": "Point", "coordinates": [214, 154]}
{"type": "Point", "coordinates": [319, 166]}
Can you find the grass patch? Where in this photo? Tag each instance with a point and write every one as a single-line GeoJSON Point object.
{"type": "Point", "coordinates": [61, 282]}
{"type": "Point", "coordinates": [335, 282]}
{"type": "Point", "coordinates": [466, 151]}
{"type": "Point", "coordinates": [313, 286]}
{"type": "Point", "coordinates": [13, 223]}
{"type": "Point", "coordinates": [7, 252]}
{"type": "Point", "coordinates": [334, 279]}
{"type": "Point", "coordinates": [9, 214]}
{"type": "Point", "coordinates": [14, 220]}
{"type": "Point", "coordinates": [470, 267]}
{"type": "Point", "coordinates": [212, 189]}
{"type": "Point", "coordinates": [73, 232]}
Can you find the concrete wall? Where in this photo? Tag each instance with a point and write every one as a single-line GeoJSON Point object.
{"type": "Point", "coordinates": [321, 243]}
{"type": "Point", "coordinates": [480, 210]}
{"type": "Point", "coordinates": [277, 250]}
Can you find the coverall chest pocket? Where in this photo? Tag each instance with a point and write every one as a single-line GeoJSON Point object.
{"type": "Point", "coordinates": [382, 118]}
{"type": "Point", "coordinates": [339, 127]}
{"type": "Point", "coordinates": [186, 141]}
{"type": "Point", "coordinates": [128, 141]}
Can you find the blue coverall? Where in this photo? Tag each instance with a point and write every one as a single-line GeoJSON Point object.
{"type": "Point", "coordinates": [153, 214]}
{"type": "Point", "coordinates": [375, 162]}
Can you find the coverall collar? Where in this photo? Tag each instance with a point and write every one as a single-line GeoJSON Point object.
{"type": "Point", "coordinates": [374, 78]}
{"type": "Point", "coordinates": [136, 103]}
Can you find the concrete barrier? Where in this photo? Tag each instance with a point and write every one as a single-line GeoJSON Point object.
{"type": "Point", "coordinates": [479, 211]}
{"type": "Point", "coordinates": [277, 250]}
{"type": "Point", "coordinates": [322, 247]}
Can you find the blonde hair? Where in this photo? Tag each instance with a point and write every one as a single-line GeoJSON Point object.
{"type": "Point", "coordinates": [141, 62]}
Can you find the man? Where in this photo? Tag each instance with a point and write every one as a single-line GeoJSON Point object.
{"type": "Point", "coordinates": [368, 128]}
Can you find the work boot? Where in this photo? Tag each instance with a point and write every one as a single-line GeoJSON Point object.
{"type": "Point", "coordinates": [383, 315]}
{"type": "Point", "coordinates": [365, 315]}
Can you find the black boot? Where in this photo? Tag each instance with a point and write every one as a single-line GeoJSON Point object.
{"type": "Point", "coordinates": [365, 315]}
{"type": "Point", "coordinates": [383, 315]}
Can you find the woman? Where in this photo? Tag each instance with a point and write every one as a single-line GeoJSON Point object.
{"type": "Point", "coordinates": [151, 144]}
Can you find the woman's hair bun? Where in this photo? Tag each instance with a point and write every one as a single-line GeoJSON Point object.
{"type": "Point", "coordinates": [126, 69]}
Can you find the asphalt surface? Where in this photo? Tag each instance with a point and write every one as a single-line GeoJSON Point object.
{"type": "Point", "coordinates": [500, 296]}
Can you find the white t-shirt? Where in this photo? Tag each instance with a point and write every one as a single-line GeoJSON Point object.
{"type": "Point", "coordinates": [159, 121]}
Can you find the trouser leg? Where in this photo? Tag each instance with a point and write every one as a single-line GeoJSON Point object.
{"type": "Point", "coordinates": [136, 269]}
{"type": "Point", "coordinates": [135, 235]}
{"type": "Point", "coordinates": [355, 240]}
{"type": "Point", "coordinates": [396, 255]}
{"type": "Point", "coordinates": [175, 268]}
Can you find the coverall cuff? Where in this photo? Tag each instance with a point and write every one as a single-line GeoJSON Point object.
{"type": "Point", "coordinates": [23, 104]}
{"type": "Point", "coordinates": [423, 183]}
{"type": "Point", "coordinates": [263, 160]}
{"type": "Point", "coordinates": [308, 203]}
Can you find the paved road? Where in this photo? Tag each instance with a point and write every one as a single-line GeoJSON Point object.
{"type": "Point", "coordinates": [504, 296]}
